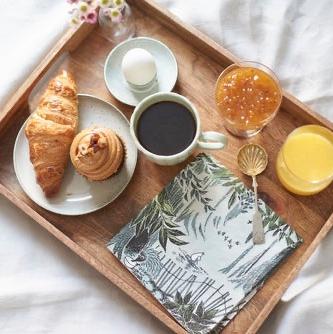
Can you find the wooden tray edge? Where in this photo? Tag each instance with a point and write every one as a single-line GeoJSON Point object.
{"type": "Point", "coordinates": [68, 42]}
{"type": "Point", "coordinates": [73, 37]}
{"type": "Point", "coordinates": [137, 297]}
{"type": "Point", "coordinates": [268, 308]}
{"type": "Point", "coordinates": [92, 261]}
{"type": "Point", "coordinates": [219, 53]}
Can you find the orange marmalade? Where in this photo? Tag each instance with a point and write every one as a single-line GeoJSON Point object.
{"type": "Point", "coordinates": [248, 99]}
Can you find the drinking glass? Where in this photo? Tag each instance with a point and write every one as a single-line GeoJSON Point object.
{"type": "Point", "coordinates": [304, 164]}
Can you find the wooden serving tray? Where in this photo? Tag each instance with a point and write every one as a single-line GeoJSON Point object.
{"type": "Point", "coordinates": [200, 62]}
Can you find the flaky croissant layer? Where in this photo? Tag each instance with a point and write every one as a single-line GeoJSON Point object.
{"type": "Point", "coordinates": [97, 153]}
{"type": "Point", "coordinates": [50, 131]}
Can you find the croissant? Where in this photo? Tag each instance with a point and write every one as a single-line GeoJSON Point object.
{"type": "Point", "coordinates": [97, 153]}
{"type": "Point", "coordinates": [50, 131]}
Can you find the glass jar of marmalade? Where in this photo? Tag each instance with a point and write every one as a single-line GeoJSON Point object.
{"type": "Point", "coordinates": [248, 95]}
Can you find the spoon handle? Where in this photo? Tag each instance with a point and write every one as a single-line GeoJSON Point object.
{"type": "Point", "coordinates": [257, 224]}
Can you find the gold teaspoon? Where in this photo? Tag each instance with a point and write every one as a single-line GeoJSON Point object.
{"type": "Point", "coordinates": [252, 160]}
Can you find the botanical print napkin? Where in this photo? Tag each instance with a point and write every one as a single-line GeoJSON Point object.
{"type": "Point", "coordinates": [192, 248]}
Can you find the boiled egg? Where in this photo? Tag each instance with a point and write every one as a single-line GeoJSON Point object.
{"type": "Point", "coordinates": [138, 66]}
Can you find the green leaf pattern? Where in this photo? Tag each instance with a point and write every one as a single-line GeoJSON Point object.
{"type": "Point", "coordinates": [191, 246]}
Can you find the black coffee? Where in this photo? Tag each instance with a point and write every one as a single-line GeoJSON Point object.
{"type": "Point", "coordinates": [166, 128]}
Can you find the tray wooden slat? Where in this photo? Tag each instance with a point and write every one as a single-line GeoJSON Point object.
{"type": "Point", "coordinates": [200, 62]}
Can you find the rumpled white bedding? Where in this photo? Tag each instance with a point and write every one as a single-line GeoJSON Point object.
{"type": "Point", "coordinates": [44, 288]}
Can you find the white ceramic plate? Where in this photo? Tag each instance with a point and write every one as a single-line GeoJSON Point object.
{"type": "Point", "coordinates": [167, 70]}
{"type": "Point", "coordinates": [77, 195]}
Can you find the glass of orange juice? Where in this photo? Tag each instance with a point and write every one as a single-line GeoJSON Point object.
{"type": "Point", "coordinates": [305, 162]}
{"type": "Point", "coordinates": [248, 95]}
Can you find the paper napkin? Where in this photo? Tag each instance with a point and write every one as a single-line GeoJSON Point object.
{"type": "Point", "coordinates": [192, 248]}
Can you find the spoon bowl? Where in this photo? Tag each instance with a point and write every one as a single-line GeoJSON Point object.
{"type": "Point", "coordinates": [252, 159]}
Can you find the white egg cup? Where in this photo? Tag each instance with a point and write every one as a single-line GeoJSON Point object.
{"type": "Point", "coordinates": [142, 88]}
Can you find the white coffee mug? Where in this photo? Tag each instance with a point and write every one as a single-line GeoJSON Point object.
{"type": "Point", "coordinates": [210, 140]}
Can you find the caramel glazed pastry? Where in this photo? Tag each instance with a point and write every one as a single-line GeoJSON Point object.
{"type": "Point", "coordinates": [50, 131]}
{"type": "Point", "coordinates": [97, 153]}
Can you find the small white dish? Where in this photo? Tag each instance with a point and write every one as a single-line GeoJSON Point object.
{"type": "Point", "coordinates": [78, 196]}
{"type": "Point", "coordinates": [166, 64]}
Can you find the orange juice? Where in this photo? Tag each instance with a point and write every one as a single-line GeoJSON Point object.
{"type": "Point", "coordinates": [305, 161]}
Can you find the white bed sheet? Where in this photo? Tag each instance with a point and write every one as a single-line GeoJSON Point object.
{"type": "Point", "coordinates": [44, 288]}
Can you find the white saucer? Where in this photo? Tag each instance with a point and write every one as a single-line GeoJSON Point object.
{"type": "Point", "coordinates": [77, 195]}
{"type": "Point", "coordinates": [167, 70]}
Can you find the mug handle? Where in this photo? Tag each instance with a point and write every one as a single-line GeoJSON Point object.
{"type": "Point", "coordinates": [212, 140]}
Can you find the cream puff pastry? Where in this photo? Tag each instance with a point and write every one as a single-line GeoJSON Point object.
{"type": "Point", "coordinates": [97, 153]}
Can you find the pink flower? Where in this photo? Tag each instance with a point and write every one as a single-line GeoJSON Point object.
{"type": "Point", "coordinates": [91, 17]}
{"type": "Point", "coordinates": [72, 1]}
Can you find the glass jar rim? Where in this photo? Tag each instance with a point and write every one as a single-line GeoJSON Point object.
{"type": "Point", "coordinates": [253, 64]}
{"type": "Point", "coordinates": [257, 64]}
